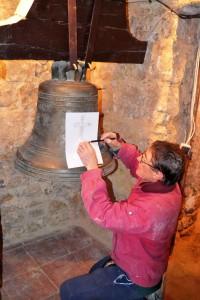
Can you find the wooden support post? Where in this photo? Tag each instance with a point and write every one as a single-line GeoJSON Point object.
{"type": "Point", "coordinates": [72, 28]}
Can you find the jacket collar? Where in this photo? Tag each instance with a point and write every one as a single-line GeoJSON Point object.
{"type": "Point", "coordinates": [156, 187]}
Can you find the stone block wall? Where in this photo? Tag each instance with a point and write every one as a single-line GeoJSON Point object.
{"type": "Point", "coordinates": [19, 83]}
{"type": "Point", "coordinates": [7, 8]}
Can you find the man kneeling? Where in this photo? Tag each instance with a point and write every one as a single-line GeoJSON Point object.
{"type": "Point", "coordinates": [143, 225]}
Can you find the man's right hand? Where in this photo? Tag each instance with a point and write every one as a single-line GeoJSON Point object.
{"type": "Point", "coordinates": [111, 139]}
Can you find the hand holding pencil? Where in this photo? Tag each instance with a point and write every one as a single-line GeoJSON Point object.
{"type": "Point", "coordinates": [86, 151]}
{"type": "Point", "coordinates": [112, 139]}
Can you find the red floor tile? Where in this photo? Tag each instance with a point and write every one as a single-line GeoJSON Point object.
{"type": "Point", "coordinates": [49, 249]}
{"type": "Point", "coordinates": [45, 251]}
{"type": "Point", "coordinates": [64, 268]}
{"type": "Point", "coordinates": [54, 297]}
{"type": "Point", "coordinates": [34, 285]}
{"type": "Point", "coordinates": [4, 296]}
{"type": "Point", "coordinates": [74, 239]}
{"type": "Point", "coordinates": [16, 262]}
{"type": "Point", "coordinates": [92, 253]}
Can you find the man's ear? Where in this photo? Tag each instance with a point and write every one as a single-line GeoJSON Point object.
{"type": "Point", "coordinates": [158, 175]}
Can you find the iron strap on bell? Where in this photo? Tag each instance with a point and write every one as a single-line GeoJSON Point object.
{"type": "Point", "coordinates": [43, 154]}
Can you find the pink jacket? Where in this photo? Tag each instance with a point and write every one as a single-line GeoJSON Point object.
{"type": "Point", "coordinates": [142, 225]}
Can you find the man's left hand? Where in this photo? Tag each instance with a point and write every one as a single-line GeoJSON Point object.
{"type": "Point", "coordinates": [87, 155]}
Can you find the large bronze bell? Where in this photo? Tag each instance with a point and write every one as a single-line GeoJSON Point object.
{"type": "Point", "coordinates": [43, 154]}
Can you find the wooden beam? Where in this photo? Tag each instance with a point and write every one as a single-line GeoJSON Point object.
{"type": "Point", "coordinates": [93, 30]}
{"type": "Point", "coordinates": [72, 21]}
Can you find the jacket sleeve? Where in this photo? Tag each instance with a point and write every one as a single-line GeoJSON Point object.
{"type": "Point", "coordinates": [117, 216]}
{"type": "Point", "coordinates": [128, 155]}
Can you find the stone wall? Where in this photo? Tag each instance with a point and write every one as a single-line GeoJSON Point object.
{"type": "Point", "coordinates": [18, 99]}
{"type": "Point", "coordinates": [7, 8]}
{"type": "Point", "coordinates": [142, 102]}
{"type": "Point", "coordinates": [190, 221]}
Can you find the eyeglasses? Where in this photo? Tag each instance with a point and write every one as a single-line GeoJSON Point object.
{"type": "Point", "coordinates": [144, 162]}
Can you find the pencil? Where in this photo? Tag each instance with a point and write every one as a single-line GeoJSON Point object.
{"type": "Point", "coordinates": [95, 141]}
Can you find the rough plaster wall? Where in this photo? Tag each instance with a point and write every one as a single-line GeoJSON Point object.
{"type": "Point", "coordinates": [7, 8]}
{"type": "Point", "coordinates": [18, 99]}
{"type": "Point", "coordinates": [142, 102]}
{"type": "Point", "coordinates": [190, 221]}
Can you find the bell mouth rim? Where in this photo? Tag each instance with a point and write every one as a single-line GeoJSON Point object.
{"type": "Point", "coordinates": [47, 174]}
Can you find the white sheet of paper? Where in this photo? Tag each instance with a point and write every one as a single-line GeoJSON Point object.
{"type": "Point", "coordinates": [80, 127]}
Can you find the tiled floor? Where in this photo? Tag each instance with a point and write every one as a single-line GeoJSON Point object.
{"type": "Point", "coordinates": [35, 270]}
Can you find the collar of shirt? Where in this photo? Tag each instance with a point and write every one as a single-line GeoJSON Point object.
{"type": "Point", "coordinates": [156, 187]}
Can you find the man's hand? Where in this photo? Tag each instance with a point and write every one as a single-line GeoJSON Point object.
{"type": "Point", "coordinates": [87, 155]}
{"type": "Point", "coordinates": [111, 139]}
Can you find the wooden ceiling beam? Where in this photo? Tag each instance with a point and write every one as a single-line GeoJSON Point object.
{"type": "Point", "coordinates": [43, 34]}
